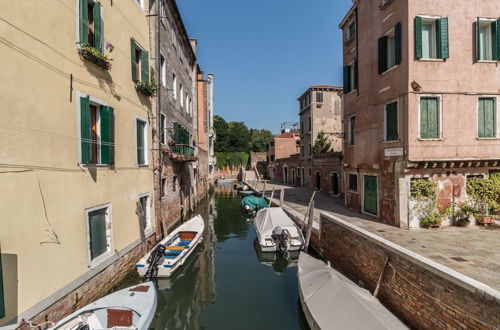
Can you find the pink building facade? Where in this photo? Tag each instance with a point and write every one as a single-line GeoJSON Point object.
{"type": "Point", "coordinates": [421, 99]}
{"type": "Point", "coordinates": [280, 147]}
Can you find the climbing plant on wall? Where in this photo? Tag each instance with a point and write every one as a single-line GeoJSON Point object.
{"type": "Point", "coordinates": [485, 192]}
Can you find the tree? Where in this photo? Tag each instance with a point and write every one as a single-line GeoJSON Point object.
{"type": "Point", "coordinates": [322, 144]}
{"type": "Point", "coordinates": [259, 138]}
{"type": "Point", "coordinates": [222, 143]}
{"type": "Point", "coordinates": [239, 137]}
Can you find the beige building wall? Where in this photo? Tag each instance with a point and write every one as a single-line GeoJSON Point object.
{"type": "Point", "coordinates": [45, 190]}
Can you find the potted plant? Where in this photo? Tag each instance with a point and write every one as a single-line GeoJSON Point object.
{"type": "Point", "coordinates": [466, 213]}
{"type": "Point", "coordinates": [485, 194]}
{"type": "Point", "coordinates": [431, 221]}
{"type": "Point", "coordinates": [95, 56]}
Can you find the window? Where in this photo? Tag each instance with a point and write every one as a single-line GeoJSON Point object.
{"type": "Point", "coordinates": [310, 123]}
{"type": "Point", "coordinates": [319, 97]}
{"type": "Point", "coordinates": [351, 30]}
{"type": "Point", "coordinates": [431, 38]}
{"type": "Point", "coordinates": [272, 158]}
{"type": "Point", "coordinates": [350, 77]}
{"type": "Point", "coordinates": [163, 66]}
{"type": "Point", "coordinates": [141, 142]}
{"type": "Point", "coordinates": [267, 159]}
{"type": "Point", "coordinates": [163, 9]}
{"type": "Point", "coordinates": [162, 187]}
{"type": "Point", "coordinates": [163, 129]}
{"type": "Point", "coordinates": [391, 122]}
{"type": "Point", "coordinates": [140, 62]}
{"type": "Point", "coordinates": [487, 40]}
{"type": "Point", "coordinates": [487, 118]}
{"type": "Point", "coordinates": [310, 172]}
{"type": "Point", "coordinates": [99, 233]}
{"type": "Point", "coordinates": [302, 151]}
{"type": "Point", "coordinates": [353, 182]}
{"type": "Point", "coordinates": [272, 144]}
{"type": "Point", "coordinates": [186, 102]}
{"type": "Point", "coordinates": [96, 132]}
{"type": "Point", "coordinates": [389, 49]}
{"type": "Point", "coordinates": [310, 149]}
{"type": "Point", "coordinates": [302, 127]}
{"type": "Point", "coordinates": [181, 94]}
{"type": "Point", "coordinates": [350, 131]}
{"type": "Point", "coordinates": [429, 118]}
{"type": "Point", "coordinates": [144, 212]}
{"type": "Point", "coordinates": [174, 86]}
{"type": "Point", "coordinates": [90, 24]}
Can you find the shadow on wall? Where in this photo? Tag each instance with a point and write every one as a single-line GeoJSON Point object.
{"type": "Point", "coordinates": [8, 289]}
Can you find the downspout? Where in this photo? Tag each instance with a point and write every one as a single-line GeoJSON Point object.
{"type": "Point", "coordinates": [158, 114]}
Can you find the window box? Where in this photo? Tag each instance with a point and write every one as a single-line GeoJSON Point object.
{"type": "Point", "coordinates": [146, 87]}
{"type": "Point", "coordinates": [95, 56]}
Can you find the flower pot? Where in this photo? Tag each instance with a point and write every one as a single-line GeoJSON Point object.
{"type": "Point", "coordinates": [485, 220]}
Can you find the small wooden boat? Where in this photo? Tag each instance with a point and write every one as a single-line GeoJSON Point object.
{"type": "Point", "coordinates": [321, 287]}
{"type": "Point", "coordinates": [245, 192]}
{"type": "Point", "coordinates": [171, 253]}
{"type": "Point", "coordinates": [130, 308]}
{"type": "Point", "coordinates": [276, 231]}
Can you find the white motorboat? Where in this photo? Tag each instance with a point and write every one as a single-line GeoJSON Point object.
{"type": "Point", "coordinates": [332, 301]}
{"type": "Point", "coordinates": [276, 231]}
{"type": "Point", "coordinates": [130, 308]}
{"type": "Point", "coordinates": [171, 253]}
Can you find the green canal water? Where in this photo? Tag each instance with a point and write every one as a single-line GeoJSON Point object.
{"type": "Point", "coordinates": [228, 283]}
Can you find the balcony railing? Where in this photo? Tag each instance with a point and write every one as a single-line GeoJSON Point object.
{"type": "Point", "coordinates": [183, 149]}
{"type": "Point", "coordinates": [182, 153]}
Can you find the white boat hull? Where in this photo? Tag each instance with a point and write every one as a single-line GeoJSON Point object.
{"type": "Point", "coordinates": [138, 303]}
{"type": "Point", "coordinates": [168, 265]}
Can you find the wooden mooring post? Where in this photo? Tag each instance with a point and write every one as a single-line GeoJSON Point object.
{"type": "Point", "coordinates": [282, 196]}
{"type": "Point", "coordinates": [310, 218]}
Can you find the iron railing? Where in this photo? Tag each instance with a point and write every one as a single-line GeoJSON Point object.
{"type": "Point", "coordinates": [183, 149]}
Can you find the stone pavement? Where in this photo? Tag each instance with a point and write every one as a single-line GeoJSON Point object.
{"type": "Point", "coordinates": [472, 251]}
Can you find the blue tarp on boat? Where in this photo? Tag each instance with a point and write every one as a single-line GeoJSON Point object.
{"type": "Point", "coordinates": [254, 203]}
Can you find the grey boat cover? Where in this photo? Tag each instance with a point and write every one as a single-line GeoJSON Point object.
{"type": "Point", "coordinates": [335, 302]}
{"type": "Point", "coordinates": [270, 218]}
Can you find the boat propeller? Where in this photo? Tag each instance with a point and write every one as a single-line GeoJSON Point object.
{"type": "Point", "coordinates": [153, 260]}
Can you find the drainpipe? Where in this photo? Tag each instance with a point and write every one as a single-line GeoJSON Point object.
{"type": "Point", "coordinates": [158, 112]}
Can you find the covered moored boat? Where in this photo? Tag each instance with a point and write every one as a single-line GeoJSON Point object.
{"type": "Point", "coordinates": [252, 204]}
{"type": "Point", "coordinates": [331, 301]}
{"type": "Point", "coordinates": [276, 231]}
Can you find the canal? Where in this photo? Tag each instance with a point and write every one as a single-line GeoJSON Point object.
{"type": "Point", "coordinates": [228, 284]}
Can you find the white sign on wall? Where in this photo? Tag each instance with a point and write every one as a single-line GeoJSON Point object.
{"type": "Point", "coordinates": [391, 152]}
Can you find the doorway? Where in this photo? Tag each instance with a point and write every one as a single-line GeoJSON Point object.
{"type": "Point", "coordinates": [370, 199]}
{"type": "Point", "coordinates": [318, 181]}
{"type": "Point", "coordinates": [285, 174]}
{"type": "Point", "coordinates": [334, 183]}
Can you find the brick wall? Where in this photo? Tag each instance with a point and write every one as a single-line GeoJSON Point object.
{"type": "Point", "coordinates": [96, 287]}
{"type": "Point", "coordinates": [421, 293]}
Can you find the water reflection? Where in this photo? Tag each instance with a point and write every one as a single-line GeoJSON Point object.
{"type": "Point", "coordinates": [223, 286]}
{"type": "Point", "coordinates": [278, 261]}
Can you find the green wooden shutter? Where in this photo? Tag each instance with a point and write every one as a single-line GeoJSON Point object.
{"type": "Point", "coordinates": [133, 59]}
{"type": "Point", "coordinates": [144, 66]}
{"type": "Point", "coordinates": [382, 54]}
{"type": "Point", "coordinates": [370, 195]}
{"type": "Point", "coordinates": [96, 8]}
{"type": "Point", "coordinates": [140, 143]}
{"type": "Point", "coordinates": [443, 50]}
{"type": "Point", "coordinates": [355, 74]}
{"type": "Point", "coordinates": [2, 298]}
{"type": "Point", "coordinates": [418, 37]}
{"type": "Point", "coordinates": [107, 135]}
{"type": "Point", "coordinates": [347, 79]}
{"type": "Point", "coordinates": [429, 118]}
{"type": "Point", "coordinates": [85, 130]}
{"type": "Point", "coordinates": [392, 121]}
{"type": "Point", "coordinates": [84, 22]}
{"type": "Point", "coordinates": [97, 226]}
{"type": "Point", "coordinates": [495, 31]}
{"type": "Point", "coordinates": [398, 48]}
{"type": "Point", "coordinates": [486, 118]}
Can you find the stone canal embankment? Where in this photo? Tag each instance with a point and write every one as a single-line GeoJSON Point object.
{"type": "Point", "coordinates": [424, 293]}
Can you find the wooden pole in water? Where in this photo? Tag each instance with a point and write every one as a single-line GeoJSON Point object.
{"type": "Point", "coordinates": [264, 189]}
{"type": "Point", "coordinates": [282, 196]}
{"type": "Point", "coordinates": [309, 206]}
{"type": "Point", "coordinates": [310, 221]}
{"type": "Point", "coordinates": [271, 199]}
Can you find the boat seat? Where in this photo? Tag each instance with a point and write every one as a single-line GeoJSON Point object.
{"type": "Point", "coordinates": [184, 243]}
{"type": "Point", "coordinates": [171, 248]}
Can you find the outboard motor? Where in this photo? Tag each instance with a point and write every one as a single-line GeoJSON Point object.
{"type": "Point", "coordinates": [280, 238]}
{"type": "Point", "coordinates": [153, 260]}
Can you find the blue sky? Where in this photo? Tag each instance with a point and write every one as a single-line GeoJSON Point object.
{"type": "Point", "coordinates": [265, 53]}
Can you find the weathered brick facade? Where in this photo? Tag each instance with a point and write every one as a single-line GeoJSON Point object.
{"type": "Point", "coordinates": [421, 293]}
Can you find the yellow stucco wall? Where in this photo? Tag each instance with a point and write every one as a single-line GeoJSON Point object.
{"type": "Point", "coordinates": [39, 140]}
